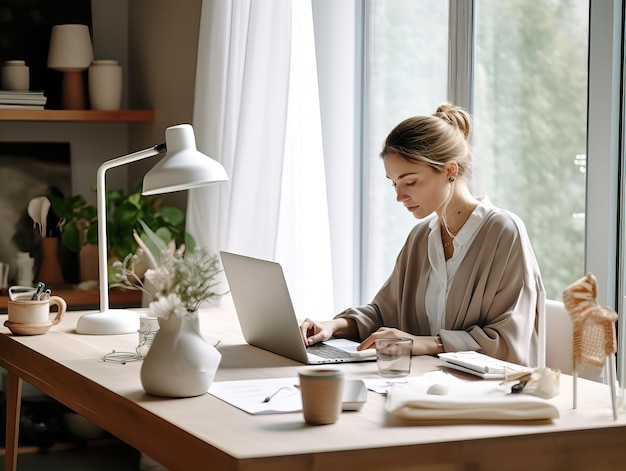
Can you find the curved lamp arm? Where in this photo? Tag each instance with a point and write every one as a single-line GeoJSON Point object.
{"type": "Point", "coordinates": [110, 321]}
{"type": "Point", "coordinates": [103, 255]}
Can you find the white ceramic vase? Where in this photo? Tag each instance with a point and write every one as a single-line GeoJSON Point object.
{"type": "Point", "coordinates": [15, 75]}
{"type": "Point", "coordinates": [180, 362]}
{"type": "Point", "coordinates": [105, 85]}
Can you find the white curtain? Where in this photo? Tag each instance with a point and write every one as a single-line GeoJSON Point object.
{"type": "Point", "coordinates": [257, 111]}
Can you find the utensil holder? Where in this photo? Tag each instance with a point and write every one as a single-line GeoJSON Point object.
{"type": "Point", "coordinates": [50, 271]}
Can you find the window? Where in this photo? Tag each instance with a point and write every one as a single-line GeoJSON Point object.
{"type": "Point", "coordinates": [530, 111]}
{"type": "Point", "coordinates": [529, 97]}
{"type": "Point", "coordinates": [406, 69]}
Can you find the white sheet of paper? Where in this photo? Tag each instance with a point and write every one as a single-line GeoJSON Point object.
{"type": "Point", "coordinates": [382, 385]}
{"type": "Point", "coordinates": [249, 395]}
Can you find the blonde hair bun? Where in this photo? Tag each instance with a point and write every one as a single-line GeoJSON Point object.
{"type": "Point", "coordinates": [456, 116]}
{"type": "Point", "coordinates": [434, 139]}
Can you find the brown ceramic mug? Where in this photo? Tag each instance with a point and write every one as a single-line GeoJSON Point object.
{"type": "Point", "coordinates": [322, 394]}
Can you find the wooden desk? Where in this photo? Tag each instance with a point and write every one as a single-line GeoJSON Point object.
{"type": "Point", "coordinates": [206, 433]}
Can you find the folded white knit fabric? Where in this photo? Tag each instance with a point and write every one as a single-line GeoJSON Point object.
{"type": "Point", "coordinates": [467, 401]}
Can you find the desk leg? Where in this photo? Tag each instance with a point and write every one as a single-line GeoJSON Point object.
{"type": "Point", "coordinates": [612, 373]}
{"type": "Point", "coordinates": [14, 402]}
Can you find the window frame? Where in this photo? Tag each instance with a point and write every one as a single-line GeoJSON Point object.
{"type": "Point", "coordinates": [603, 147]}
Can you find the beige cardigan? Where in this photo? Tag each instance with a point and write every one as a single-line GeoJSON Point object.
{"type": "Point", "coordinates": [493, 302]}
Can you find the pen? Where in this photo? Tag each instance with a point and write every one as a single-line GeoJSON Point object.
{"type": "Point", "coordinates": [518, 387]}
{"type": "Point", "coordinates": [269, 398]}
{"type": "Point", "coordinates": [40, 287]}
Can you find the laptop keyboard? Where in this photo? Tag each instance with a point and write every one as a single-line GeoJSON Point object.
{"type": "Point", "coordinates": [327, 351]}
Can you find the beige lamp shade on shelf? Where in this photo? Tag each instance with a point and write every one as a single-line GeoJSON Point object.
{"type": "Point", "coordinates": [71, 53]}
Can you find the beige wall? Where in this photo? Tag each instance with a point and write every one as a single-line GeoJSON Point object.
{"type": "Point", "coordinates": [156, 43]}
{"type": "Point", "coordinates": [163, 44]}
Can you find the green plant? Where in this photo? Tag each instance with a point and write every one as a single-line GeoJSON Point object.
{"type": "Point", "coordinates": [79, 221]}
{"type": "Point", "coordinates": [125, 211]}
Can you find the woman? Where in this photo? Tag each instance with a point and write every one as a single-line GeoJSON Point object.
{"type": "Point", "coordinates": [467, 277]}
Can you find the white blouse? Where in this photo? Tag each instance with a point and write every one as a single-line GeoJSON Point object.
{"type": "Point", "coordinates": [442, 272]}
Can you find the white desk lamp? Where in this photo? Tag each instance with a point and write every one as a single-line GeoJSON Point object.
{"type": "Point", "coordinates": [182, 168]}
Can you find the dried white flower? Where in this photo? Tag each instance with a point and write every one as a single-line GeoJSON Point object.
{"type": "Point", "coordinates": [166, 306]}
{"type": "Point", "coordinates": [180, 281]}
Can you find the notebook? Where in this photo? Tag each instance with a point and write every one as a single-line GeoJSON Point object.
{"type": "Point", "coordinates": [481, 365]}
{"type": "Point", "coordinates": [267, 317]}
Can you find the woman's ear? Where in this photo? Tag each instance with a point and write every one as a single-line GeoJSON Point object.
{"type": "Point", "coordinates": [452, 170]}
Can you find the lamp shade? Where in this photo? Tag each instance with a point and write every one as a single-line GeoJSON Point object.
{"type": "Point", "coordinates": [183, 167]}
{"type": "Point", "coordinates": [70, 48]}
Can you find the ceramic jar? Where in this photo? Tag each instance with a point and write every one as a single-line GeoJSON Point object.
{"type": "Point", "coordinates": [15, 75]}
{"type": "Point", "coordinates": [50, 270]}
{"type": "Point", "coordinates": [180, 362]}
{"type": "Point", "coordinates": [105, 85]}
{"type": "Point", "coordinates": [88, 261]}
{"type": "Point", "coordinates": [25, 269]}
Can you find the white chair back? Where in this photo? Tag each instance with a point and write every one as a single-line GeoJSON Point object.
{"type": "Point", "coordinates": [558, 337]}
{"type": "Point", "coordinates": [559, 340]}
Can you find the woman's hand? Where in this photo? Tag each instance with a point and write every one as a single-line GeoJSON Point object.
{"type": "Point", "coordinates": [383, 333]}
{"type": "Point", "coordinates": [422, 345]}
{"type": "Point", "coordinates": [313, 332]}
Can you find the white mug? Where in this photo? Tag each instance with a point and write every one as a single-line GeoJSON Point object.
{"type": "Point", "coordinates": [38, 312]}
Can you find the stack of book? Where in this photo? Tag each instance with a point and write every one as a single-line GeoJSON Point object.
{"type": "Point", "coordinates": [22, 99]}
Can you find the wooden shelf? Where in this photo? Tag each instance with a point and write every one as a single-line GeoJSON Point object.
{"type": "Point", "coordinates": [77, 299]}
{"type": "Point", "coordinates": [77, 115]}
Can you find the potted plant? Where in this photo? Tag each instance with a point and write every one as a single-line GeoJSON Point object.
{"type": "Point", "coordinates": [125, 211]}
{"type": "Point", "coordinates": [78, 231]}
{"type": "Point", "coordinates": [78, 221]}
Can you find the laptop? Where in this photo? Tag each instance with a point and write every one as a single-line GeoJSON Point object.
{"type": "Point", "coordinates": [267, 317]}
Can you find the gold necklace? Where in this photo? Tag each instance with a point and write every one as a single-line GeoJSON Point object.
{"type": "Point", "coordinates": [445, 234]}
{"type": "Point", "coordinates": [452, 232]}
{"type": "Point", "coordinates": [448, 232]}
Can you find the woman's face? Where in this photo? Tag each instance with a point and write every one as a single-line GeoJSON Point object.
{"type": "Point", "coordinates": [419, 187]}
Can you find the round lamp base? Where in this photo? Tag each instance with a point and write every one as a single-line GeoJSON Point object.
{"type": "Point", "coordinates": [111, 322]}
